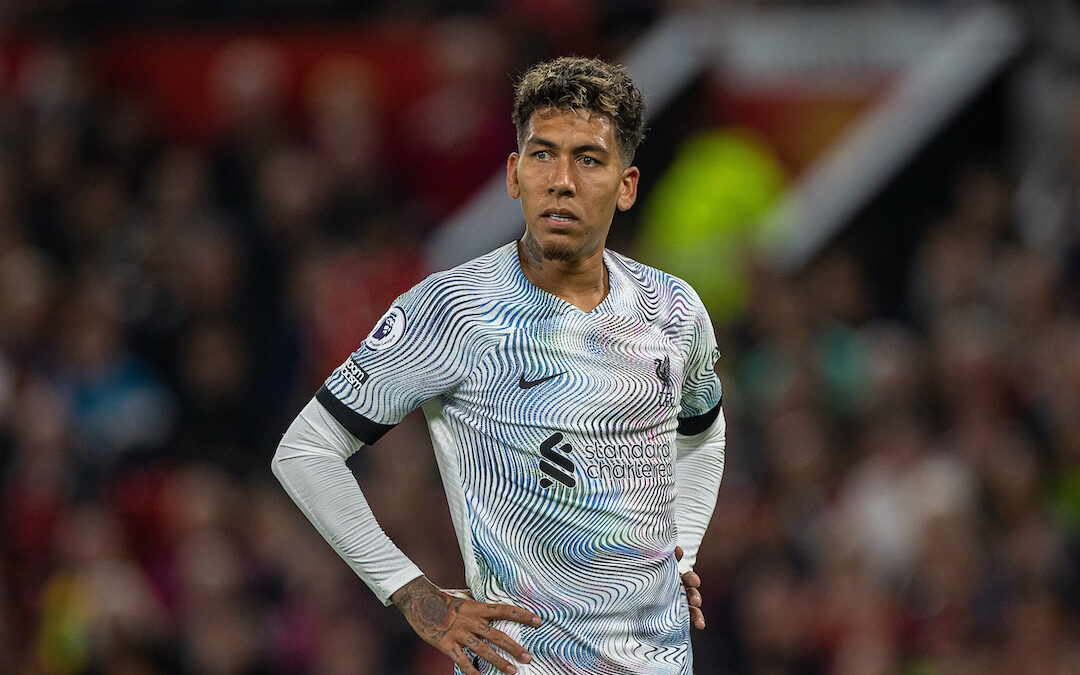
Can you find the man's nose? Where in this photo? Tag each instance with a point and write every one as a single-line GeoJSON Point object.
{"type": "Point", "coordinates": [562, 179]}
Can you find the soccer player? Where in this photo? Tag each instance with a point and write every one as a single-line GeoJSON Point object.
{"type": "Point", "coordinates": [573, 407]}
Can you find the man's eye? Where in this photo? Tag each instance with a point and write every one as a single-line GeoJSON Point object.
{"type": "Point", "coordinates": [589, 161]}
{"type": "Point", "coordinates": [541, 154]}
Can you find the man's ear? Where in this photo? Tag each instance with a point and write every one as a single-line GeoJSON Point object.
{"type": "Point", "coordinates": [511, 175]}
{"type": "Point", "coordinates": [628, 188]}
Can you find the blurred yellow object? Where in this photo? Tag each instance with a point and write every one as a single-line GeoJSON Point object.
{"type": "Point", "coordinates": [702, 220]}
{"type": "Point", "coordinates": [63, 638]}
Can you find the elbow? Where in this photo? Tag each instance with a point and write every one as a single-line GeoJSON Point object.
{"type": "Point", "coordinates": [275, 464]}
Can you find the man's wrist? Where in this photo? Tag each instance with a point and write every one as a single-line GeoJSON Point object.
{"type": "Point", "coordinates": [403, 597]}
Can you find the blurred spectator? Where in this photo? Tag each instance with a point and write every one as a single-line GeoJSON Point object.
{"type": "Point", "coordinates": [456, 136]}
{"type": "Point", "coordinates": [98, 610]}
{"type": "Point", "coordinates": [250, 77]}
{"type": "Point", "coordinates": [118, 405]}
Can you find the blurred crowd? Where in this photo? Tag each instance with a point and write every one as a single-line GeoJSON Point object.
{"type": "Point", "coordinates": [902, 493]}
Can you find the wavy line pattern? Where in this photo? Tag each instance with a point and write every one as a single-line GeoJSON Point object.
{"type": "Point", "coordinates": [579, 529]}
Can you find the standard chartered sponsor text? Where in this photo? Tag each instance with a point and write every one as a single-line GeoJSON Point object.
{"type": "Point", "coordinates": [628, 460]}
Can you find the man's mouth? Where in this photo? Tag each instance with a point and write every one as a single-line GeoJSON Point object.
{"type": "Point", "coordinates": [560, 216]}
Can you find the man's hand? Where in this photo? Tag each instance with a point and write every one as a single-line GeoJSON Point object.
{"type": "Point", "coordinates": [453, 621]}
{"type": "Point", "coordinates": [692, 582]}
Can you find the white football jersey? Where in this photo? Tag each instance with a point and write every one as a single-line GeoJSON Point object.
{"type": "Point", "coordinates": [554, 431]}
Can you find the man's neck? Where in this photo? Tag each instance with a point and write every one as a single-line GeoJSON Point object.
{"type": "Point", "coordinates": [583, 283]}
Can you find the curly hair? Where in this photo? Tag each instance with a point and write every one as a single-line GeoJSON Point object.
{"type": "Point", "coordinates": [576, 83]}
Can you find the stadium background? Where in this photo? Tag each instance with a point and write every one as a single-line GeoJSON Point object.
{"type": "Point", "coordinates": [204, 207]}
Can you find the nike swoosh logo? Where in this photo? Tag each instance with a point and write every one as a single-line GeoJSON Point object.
{"type": "Point", "coordinates": [529, 384]}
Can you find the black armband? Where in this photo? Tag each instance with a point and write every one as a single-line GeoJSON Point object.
{"type": "Point", "coordinates": [691, 426]}
{"type": "Point", "coordinates": [364, 429]}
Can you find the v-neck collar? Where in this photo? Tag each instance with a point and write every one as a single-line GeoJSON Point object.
{"type": "Point", "coordinates": [600, 308]}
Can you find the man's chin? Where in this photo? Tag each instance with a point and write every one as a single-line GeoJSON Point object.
{"type": "Point", "coordinates": [560, 252]}
{"type": "Point", "coordinates": [560, 247]}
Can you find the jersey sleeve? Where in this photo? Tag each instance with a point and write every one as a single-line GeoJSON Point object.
{"type": "Point", "coordinates": [419, 349]}
{"type": "Point", "coordinates": [701, 392]}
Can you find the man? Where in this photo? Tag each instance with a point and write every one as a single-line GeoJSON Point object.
{"type": "Point", "coordinates": [573, 409]}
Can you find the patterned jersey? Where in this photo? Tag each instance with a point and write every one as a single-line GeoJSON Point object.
{"type": "Point", "coordinates": [554, 431]}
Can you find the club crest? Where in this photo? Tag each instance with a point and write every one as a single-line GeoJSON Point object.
{"type": "Point", "coordinates": [663, 372]}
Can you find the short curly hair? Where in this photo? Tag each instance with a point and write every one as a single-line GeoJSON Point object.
{"type": "Point", "coordinates": [577, 83]}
